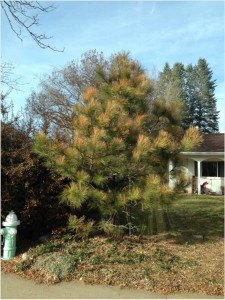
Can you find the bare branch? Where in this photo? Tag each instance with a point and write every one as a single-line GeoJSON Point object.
{"type": "Point", "coordinates": [20, 16]}
{"type": "Point", "coordinates": [7, 79]}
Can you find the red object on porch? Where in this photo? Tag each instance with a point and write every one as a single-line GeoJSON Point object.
{"type": "Point", "coordinates": [204, 184]}
{"type": "Point", "coordinates": [203, 187]}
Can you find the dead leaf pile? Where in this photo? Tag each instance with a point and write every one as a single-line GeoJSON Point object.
{"type": "Point", "coordinates": [163, 266]}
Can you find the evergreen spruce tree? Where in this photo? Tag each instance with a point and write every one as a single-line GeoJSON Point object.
{"type": "Point", "coordinates": [179, 89]}
{"type": "Point", "coordinates": [178, 80]}
{"type": "Point", "coordinates": [112, 164]}
{"type": "Point", "coordinates": [192, 98]}
{"type": "Point", "coordinates": [171, 82]}
{"type": "Point", "coordinates": [169, 105]}
{"type": "Point", "coordinates": [195, 89]}
{"type": "Point", "coordinates": [207, 115]}
{"type": "Point", "coordinates": [171, 90]}
{"type": "Point", "coordinates": [164, 82]}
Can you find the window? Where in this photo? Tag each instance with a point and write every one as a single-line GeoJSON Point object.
{"type": "Point", "coordinates": [213, 168]}
{"type": "Point", "coordinates": [221, 169]}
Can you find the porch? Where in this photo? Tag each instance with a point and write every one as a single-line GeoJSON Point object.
{"type": "Point", "coordinates": [205, 172]}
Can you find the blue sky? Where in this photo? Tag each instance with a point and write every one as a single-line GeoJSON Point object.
{"type": "Point", "coordinates": [154, 32]}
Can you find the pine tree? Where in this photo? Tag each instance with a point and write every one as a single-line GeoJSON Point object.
{"type": "Point", "coordinates": [112, 165]}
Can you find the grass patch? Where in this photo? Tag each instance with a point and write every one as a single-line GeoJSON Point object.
{"type": "Point", "coordinates": [198, 215]}
{"type": "Point", "coordinates": [188, 215]}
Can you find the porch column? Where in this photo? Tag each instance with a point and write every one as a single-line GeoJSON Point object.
{"type": "Point", "coordinates": [170, 167]}
{"type": "Point", "coordinates": [199, 174]}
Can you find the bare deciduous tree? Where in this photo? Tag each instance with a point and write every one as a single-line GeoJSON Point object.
{"type": "Point", "coordinates": [8, 80]}
{"type": "Point", "coordinates": [53, 104]}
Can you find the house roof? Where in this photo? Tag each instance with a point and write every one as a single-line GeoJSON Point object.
{"type": "Point", "coordinates": [212, 142]}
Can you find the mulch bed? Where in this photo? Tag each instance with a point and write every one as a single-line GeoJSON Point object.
{"type": "Point", "coordinates": [158, 265]}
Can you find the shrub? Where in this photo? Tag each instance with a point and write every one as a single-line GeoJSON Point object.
{"type": "Point", "coordinates": [56, 264]}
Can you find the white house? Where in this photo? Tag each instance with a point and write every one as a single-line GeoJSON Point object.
{"type": "Point", "coordinates": [204, 165]}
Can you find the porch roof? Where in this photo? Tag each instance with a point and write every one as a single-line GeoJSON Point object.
{"type": "Point", "coordinates": [203, 153]}
{"type": "Point", "coordinates": [212, 142]}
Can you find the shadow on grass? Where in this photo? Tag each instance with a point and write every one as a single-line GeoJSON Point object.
{"type": "Point", "coordinates": [191, 219]}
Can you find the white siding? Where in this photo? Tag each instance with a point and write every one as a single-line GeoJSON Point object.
{"type": "Point", "coordinates": [215, 184]}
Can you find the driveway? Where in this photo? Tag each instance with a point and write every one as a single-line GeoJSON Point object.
{"type": "Point", "coordinates": [14, 287]}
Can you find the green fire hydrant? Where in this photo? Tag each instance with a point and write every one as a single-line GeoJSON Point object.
{"type": "Point", "coordinates": [9, 235]}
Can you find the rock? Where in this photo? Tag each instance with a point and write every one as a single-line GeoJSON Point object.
{"type": "Point", "coordinates": [25, 256]}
